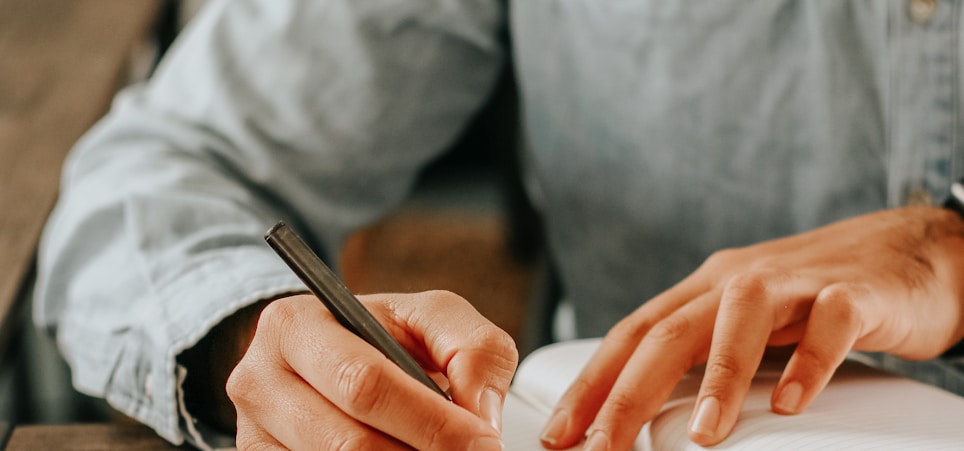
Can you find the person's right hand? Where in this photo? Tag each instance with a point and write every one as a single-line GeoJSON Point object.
{"type": "Point", "coordinates": [306, 382]}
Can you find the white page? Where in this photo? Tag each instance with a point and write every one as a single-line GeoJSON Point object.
{"type": "Point", "coordinates": [541, 380]}
{"type": "Point", "coordinates": [521, 424]}
{"type": "Point", "coordinates": [861, 409]}
{"type": "Point", "coordinates": [548, 371]}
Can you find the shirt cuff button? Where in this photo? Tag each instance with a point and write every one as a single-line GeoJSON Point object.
{"type": "Point", "coordinates": [921, 11]}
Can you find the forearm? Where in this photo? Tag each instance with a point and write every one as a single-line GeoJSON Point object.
{"type": "Point", "coordinates": [125, 294]}
{"type": "Point", "coordinates": [255, 116]}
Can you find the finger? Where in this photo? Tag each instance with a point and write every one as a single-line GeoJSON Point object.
{"type": "Point", "coordinates": [364, 384]}
{"type": "Point", "coordinates": [251, 436]}
{"type": "Point", "coordinates": [578, 406]}
{"type": "Point", "coordinates": [294, 416]}
{"type": "Point", "coordinates": [752, 305]}
{"type": "Point", "coordinates": [671, 347]}
{"type": "Point", "coordinates": [787, 335]}
{"type": "Point", "coordinates": [833, 328]}
{"type": "Point", "coordinates": [478, 358]}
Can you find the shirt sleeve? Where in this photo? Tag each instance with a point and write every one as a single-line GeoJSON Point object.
{"type": "Point", "coordinates": [318, 112]}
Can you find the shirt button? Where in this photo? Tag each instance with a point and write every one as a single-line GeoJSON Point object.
{"type": "Point", "coordinates": [918, 197]}
{"type": "Point", "coordinates": [148, 387]}
{"type": "Point", "coordinates": [921, 11]}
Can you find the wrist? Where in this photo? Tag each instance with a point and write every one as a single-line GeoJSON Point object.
{"type": "Point", "coordinates": [955, 203]}
{"type": "Point", "coordinates": [210, 362]}
{"type": "Point", "coordinates": [955, 199]}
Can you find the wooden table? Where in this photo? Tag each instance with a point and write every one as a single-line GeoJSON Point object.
{"type": "Point", "coordinates": [76, 437]}
{"type": "Point", "coordinates": [61, 61]}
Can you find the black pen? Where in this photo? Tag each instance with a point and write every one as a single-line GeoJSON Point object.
{"type": "Point", "coordinates": [348, 310]}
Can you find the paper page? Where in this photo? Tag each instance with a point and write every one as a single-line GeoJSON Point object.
{"type": "Point", "coordinates": [861, 408]}
{"type": "Point", "coordinates": [521, 424]}
{"type": "Point", "coordinates": [547, 372]}
{"type": "Point", "coordinates": [541, 380]}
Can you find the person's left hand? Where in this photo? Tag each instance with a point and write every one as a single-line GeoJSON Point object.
{"type": "Point", "coordinates": [891, 281]}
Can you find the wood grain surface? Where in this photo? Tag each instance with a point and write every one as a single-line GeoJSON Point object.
{"type": "Point", "coordinates": [87, 437]}
{"type": "Point", "coordinates": [61, 61]}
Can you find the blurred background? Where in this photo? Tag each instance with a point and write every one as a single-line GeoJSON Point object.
{"type": "Point", "coordinates": [467, 227]}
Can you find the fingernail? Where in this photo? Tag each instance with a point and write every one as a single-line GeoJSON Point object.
{"type": "Point", "coordinates": [597, 441]}
{"type": "Point", "coordinates": [707, 417]}
{"type": "Point", "coordinates": [555, 427]}
{"type": "Point", "coordinates": [490, 408]}
{"type": "Point", "coordinates": [486, 444]}
{"type": "Point", "coordinates": [788, 401]}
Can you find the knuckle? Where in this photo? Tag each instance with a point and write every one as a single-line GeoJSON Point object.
{"type": "Point", "coordinates": [724, 369]}
{"type": "Point", "coordinates": [360, 383]}
{"type": "Point", "coordinates": [500, 344]}
{"type": "Point", "coordinates": [841, 301]}
{"type": "Point", "coordinates": [748, 287]}
{"type": "Point", "coordinates": [241, 384]}
{"type": "Point", "coordinates": [621, 405]}
{"type": "Point", "coordinates": [818, 362]}
{"type": "Point", "coordinates": [443, 296]}
{"type": "Point", "coordinates": [579, 389]}
{"type": "Point", "coordinates": [340, 441]}
{"type": "Point", "coordinates": [670, 330]}
{"type": "Point", "coordinates": [839, 295]}
{"type": "Point", "coordinates": [280, 329]}
{"type": "Point", "coordinates": [437, 432]}
{"type": "Point", "coordinates": [279, 314]}
{"type": "Point", "coordinates": [628, 332]}
{"type": "Point", "coordinates": [720, 259]}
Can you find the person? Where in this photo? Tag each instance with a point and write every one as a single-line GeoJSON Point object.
{"type": "Point", "coordinates": [716, 178]}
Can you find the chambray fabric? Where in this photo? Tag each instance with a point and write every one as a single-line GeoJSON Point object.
{"type": "Point", "coordinates": [656, 133]}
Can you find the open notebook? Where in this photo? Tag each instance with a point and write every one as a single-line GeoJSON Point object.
{"type": "Point", "coordinates": [861, 408]}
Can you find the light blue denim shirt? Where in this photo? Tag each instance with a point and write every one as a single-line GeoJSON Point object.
{"type": "Point", "coordinates": [656, 133]}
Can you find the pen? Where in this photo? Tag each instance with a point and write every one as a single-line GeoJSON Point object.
{"type": "Point", "coordinates": [346, 308]}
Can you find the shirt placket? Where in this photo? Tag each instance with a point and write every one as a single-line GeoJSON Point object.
{"type": "Point", "coordinates": [924, 99]}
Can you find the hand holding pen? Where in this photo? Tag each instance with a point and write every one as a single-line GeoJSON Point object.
{"type": "Point", "coordinates": [307, 381]}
